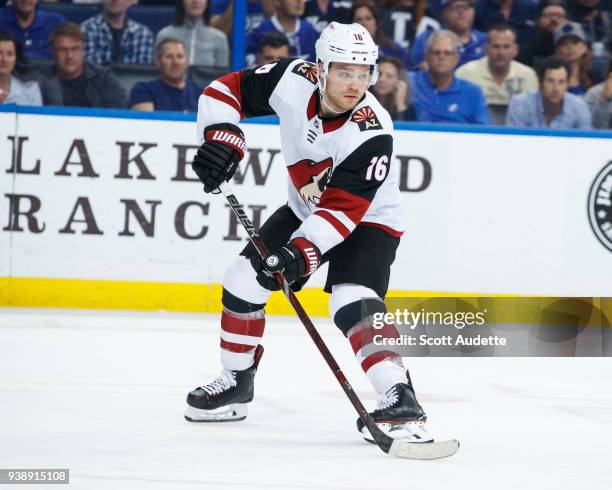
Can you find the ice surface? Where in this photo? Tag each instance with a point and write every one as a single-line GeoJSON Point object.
{"type": "Point", "coordinates": [103, 394]}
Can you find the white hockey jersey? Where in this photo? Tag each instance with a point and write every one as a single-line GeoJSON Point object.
{"type": "Point", "coordinates": [341, 169]}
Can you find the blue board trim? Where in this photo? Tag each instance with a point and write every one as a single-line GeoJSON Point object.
{"type": "Point", "coordinates": [401, 126]}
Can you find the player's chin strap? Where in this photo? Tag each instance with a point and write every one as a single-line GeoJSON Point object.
{"type": "Point", "coordinates": [327, 105]}
{"type": "Point", "coordinates": [322, 84]}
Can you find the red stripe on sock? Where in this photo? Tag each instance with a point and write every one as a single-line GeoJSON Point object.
{"type": "Point", "coordinates": [366, 335]}
{"type": "Point", "coordinates": [237, 348]}
{"type": "Point", "coordinates": [369, 361]}
{"type": "Point", "coordinates": [253, 327]}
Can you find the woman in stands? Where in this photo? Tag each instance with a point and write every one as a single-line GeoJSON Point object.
{"type": "Point", "coordinates": [572, 48]}
{"type": "Point", "coordinates": [206, 46]}
{"type": "Point", "coordinates": [15, 87]}
{"type": "Point", "coordinates": [392, 89]}
{"type": "Point", "coordinates": [365, 12]}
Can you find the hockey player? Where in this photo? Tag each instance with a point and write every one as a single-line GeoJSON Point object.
{"type": "Point", "coordinates": [343, 207]}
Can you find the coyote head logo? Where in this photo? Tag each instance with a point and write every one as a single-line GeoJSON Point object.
{"type": "Point", "coordinates": [310, 179]}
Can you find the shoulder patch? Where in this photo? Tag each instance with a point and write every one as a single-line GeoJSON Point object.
{"type": "Point", "coordinates": [366, 119]}
{"type": "Point", "coordinates": [306, 70]}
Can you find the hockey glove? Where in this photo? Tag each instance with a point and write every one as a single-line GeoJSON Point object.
{"type": "Point", "coordinates": [297, 259]}
{"type": "Point", "coordinates": [218, 157]}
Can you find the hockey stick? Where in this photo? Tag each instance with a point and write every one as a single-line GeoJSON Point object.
{"type": "Point", "coordinates": [394, 447]}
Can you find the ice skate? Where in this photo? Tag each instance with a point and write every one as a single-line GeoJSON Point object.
{"type": "Point", "coordinates": [399, 415]}
{"type": "Point", "coordinates": [224, 399]}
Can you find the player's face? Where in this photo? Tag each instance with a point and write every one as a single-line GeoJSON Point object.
{"type": "Point", "coordinates": [68, 54]}
{"type": "Point", "coordinates": [387, 79]}
{"type": "Point", "coordinates": [346, 84]}
{"type": "Point", "coordinates": [172, 61]}
{"type": "Point", "coordinates": [8, 57]}
{"type": "Point", "coordinates": [554, 85]}
{"type": "Point", "coordinates": [501, 48]}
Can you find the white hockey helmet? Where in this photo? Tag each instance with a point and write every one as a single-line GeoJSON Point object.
{"type": "Point", "coordinates": [346, 43]}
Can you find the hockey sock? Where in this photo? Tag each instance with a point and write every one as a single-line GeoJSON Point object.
{"type": "Point", "coordinates": [240, 335]}
{"type": "Point", "coordinates": [384, 368]}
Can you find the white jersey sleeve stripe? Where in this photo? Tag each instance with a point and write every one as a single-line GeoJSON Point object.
{"type": "Point", "coordinates": [319, 231]}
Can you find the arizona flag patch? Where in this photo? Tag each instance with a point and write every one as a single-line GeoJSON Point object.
{"type": "Point", "coordinates": [307, 70]}
{"type": "Point", "coordinates": [366, 119]}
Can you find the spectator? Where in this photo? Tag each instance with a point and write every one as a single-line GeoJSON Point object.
{"type": "Point", "coordinates": [321, 12]}
{"type": "Point", "coordinates": [551, 14]}
{"type": "Point", "coordinates": [286, 20]}
{"type": "Point", "coordinates": [15, 88]}
{"type": "Point", "coordinates": [458, 17]}
{"type": "Point", "coordinates": [73, 81]}
{"type": "Point", "coordinates": [222, 14]}
{"type": "Point", "coordinates": [273, 47]}
{"type": "Point", "coordinates": [440, 97]}
{"type": "Point", "coordinates": [599, 101]}
{"type": "Point", "coordinates": [391, 89]}
{"type": "Point", "coordinates": [30, 27]}
{"type": "Point", "coordinates": [570, 47]}
{"type": "Point", "coordinates": [596, 24]}
{"type": "Point", "coordinates": [364, 12]}
{"type": "Point", "coordinates": [172, 91]}
{"type": "Point", "coordinates": [404, 20]}
{"type": "Point", "coordinates": [519, 14]}
{"type": "Point", "coordinates": [205, 45]}
{"type": "Point", "coordinates": [111, 37]}
{"type": "Point", "coordinates": [497, 74]}
{"type": "Point", "coordinates": [552, 106]}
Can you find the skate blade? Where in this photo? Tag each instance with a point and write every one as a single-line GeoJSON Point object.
{"type": "Point", "coordinates": [229, 413]}
{"type": "Point", "coordinates": [405, 432]}
{"type": "Point", "coordinates": [424, 451]}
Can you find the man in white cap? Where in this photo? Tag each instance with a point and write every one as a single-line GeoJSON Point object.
{"type": "Point", "coordinates": [343, 208]}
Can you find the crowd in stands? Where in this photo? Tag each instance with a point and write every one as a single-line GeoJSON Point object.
{"type": "Point", "coordinates": [522, 63]}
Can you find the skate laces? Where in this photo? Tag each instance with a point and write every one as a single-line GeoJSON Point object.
{"type": "Point", "coordinates": [388, 399]}
{"type": "Point", "coordinates": [225, 381]}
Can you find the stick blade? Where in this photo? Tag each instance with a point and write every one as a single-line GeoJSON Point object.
{"type": "Point", "coordinates": [421, 450]}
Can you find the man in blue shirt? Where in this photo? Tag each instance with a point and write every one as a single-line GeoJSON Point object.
{"type": "Point", "coordinates": [172, 92]}
{"type": "Point", "coordinates": [458, 17]}
{"type": "Point", "coordinates": [30, 27]}
{"type": "Point", "coordinates": [438, 96]}
{"type": "Point", "coordinates": [551, 106]}
{"type": "Point", "coordinates": [286, 19]}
